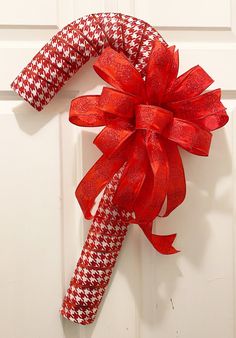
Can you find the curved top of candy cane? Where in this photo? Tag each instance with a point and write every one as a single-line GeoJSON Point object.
{"type": "Point", "coordinates": [75, 44]}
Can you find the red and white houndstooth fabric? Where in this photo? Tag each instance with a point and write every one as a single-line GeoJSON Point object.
{"type": "Point", "coordinates": [38, 82]}
{"type": "Point", "coordinates": [75, 44]}
{"type": "Point", "coordinates": [98, 257]}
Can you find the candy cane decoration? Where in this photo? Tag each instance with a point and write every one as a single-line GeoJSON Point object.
{"type": "Point", "coordinates": [148, 113]}
{"type": "Point", "coordinates": [38, 82]}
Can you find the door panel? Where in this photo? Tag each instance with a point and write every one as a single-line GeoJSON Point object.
{"type": "Point", "coordinates": [190, 294]}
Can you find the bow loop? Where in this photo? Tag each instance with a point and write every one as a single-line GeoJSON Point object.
{"type": "Point", "coordinates": [189, 136]}
{"type": "Point", "coordinates": [85, 112]}
{"type": "Point", "coordinates": [110, 139]}
{"type": "Point", "coordinates": [116, 69]}
{"type": "Point", "coordinates": [117, 103]}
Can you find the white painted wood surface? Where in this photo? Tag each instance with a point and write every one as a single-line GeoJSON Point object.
{"type": "Point", "coordinates": [184, 13]}
{"type": "Point", "coordinates": [27, 12]}
{"type": "Point", "coordinates": [189, 295]}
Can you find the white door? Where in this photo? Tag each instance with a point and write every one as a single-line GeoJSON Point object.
{"type": "Point", "coordinates": [188, 295]}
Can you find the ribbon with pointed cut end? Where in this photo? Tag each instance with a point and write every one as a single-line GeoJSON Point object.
{"type": "Point", "coordinates": [145, 122]}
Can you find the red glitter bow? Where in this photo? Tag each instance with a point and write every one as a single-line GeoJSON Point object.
{"type": "Point", "coordinates": [145, 122]}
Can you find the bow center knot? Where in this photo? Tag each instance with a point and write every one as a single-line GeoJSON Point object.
{"type": "Point", "coordinates": [152, 117]}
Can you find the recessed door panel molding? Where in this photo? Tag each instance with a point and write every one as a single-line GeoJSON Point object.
{"type": "Point", "coordinates": [182, 13]}
{"type": "Point", "coordinates": [29, 12]}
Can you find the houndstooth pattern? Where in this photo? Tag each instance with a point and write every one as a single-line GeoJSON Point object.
{"type": "Point", "coordinates": [34, 89]}
{"type": "Point", "coordinates": [132, 34]}
{"type": "Point", "coordinates": [75, 44]}
{"type": "Point", "coordinates": [149, 36]}
{"type": "Point", "coordinates": [91, 30]}
{"type": "Point", "coordinates": [99, 260]}
{"type": "Point", "coordinates": [98, 257]}
{"type": "Point", "coordinates": [48, 71]}
{"type": "Point", "coordinates": [55, 59]}
{"type": "Point", "coordinates": [69, 54]}
{"type": "Point", "coordinates": [78, 43]}
{"type": "Point", "coordinates": [112, 28]}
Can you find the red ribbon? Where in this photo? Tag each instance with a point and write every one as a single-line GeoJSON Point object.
{"type": "Point", "coordinates": [145, 122]}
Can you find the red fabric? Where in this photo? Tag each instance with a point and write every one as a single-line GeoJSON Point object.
{"type": "Point", "coordinates": [145, 122]}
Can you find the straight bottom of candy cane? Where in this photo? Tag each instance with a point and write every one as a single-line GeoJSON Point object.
{"type": "Point", "coordinates": [98, 257]}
